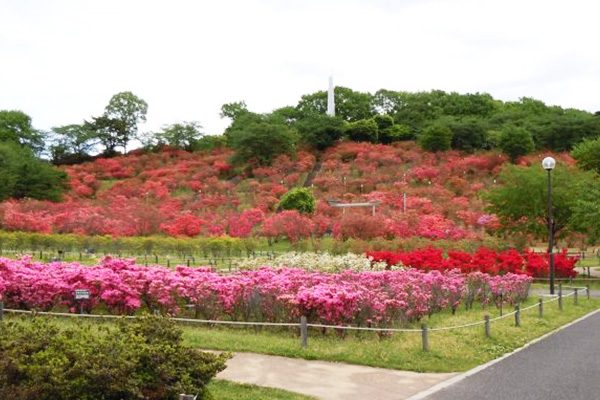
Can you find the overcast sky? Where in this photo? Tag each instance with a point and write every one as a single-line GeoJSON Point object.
{"type": "Point", "coordinates": [61, 61]}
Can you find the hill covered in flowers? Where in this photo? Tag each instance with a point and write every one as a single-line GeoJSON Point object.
{"type": "Point", "coordinates": [180, 193]}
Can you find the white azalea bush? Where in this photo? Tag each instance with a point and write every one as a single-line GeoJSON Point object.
{"type": "Point", "coordinates": [309, 261]}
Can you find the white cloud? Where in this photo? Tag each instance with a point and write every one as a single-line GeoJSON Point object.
{"type": "Point", "coordinates": [62, 60]}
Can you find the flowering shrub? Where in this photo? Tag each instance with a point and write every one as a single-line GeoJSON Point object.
{"type": "Point", "coordinates": [322, 262]}
{"type": "Point", "coordinates": [378, 298]}
{"type": "Point", "coordinates": [483, 260]}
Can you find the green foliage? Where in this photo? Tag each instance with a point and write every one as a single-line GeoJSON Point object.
{"type": "Point", "coordinates": [234, 110]}
{"type": "Point", "coordinates": [209, 142]}
{"type": "Point", "coordinates": [15, 126]}
{"type": "Point", "coordinates": [520, 201]}
{"type": "Point", "coordinates": [300, 199]}
{"type": "Point", "coordinates": [23, 175]}
{"type": "Point", "coordinates": [350, 105]}
{"type": "Point", "coordinates": [515, 142]}
{"type": "Point", "coordinates": [320, 131]}
{"type": "Point", "coordinates": [118, 125]}
{"type": "Point", "coordinates": [73, 144]}
{"type": "Point", "coordinates": [468, 134]}
{"type": "Point", "coordinates": [364, 130]}
{"type": "Point", "coordinates": [587, 154]}
{"type": "Point", "coordinates": [258, 140]}
{"type": "Point", "coordinates": [183, 135]}
{"type": "Point", "coordinates": [142, 359]}
{"type": "Point", "coordinates": [436, 137]}
{"type": "Point", "coordinates": [395, 133]}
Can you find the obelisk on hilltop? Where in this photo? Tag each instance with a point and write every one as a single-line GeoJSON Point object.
{"type": "Point", "coordinates": [330, 99]}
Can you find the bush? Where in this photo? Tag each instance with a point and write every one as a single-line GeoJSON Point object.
{"type": "Point", "coordinates": [300, 199]}
{"type": "Point", "coordinates": [142, 359]}
{"type": "Point", "coordinates": [364, 130]}
{"type": "Point", "coordinates": [436, 137]}
{"type": "Point", "coordinates": [587, 154]}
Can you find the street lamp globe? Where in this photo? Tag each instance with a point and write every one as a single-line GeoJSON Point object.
{"type": "Point", "coordinates": [548, 163]}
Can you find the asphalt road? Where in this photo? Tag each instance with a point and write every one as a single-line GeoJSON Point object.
{"type": "Point", "coordinates": [564, 366]}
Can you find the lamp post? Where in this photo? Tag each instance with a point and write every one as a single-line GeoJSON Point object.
{"type": "Point", "coordinates": [548, 164]}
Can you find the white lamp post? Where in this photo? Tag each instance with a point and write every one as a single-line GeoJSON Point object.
{"type": "Point", "coordinates": [548, 164]}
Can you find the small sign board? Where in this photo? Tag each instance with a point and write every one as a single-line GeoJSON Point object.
{"type": "Point", "coordinates": [82, 294]}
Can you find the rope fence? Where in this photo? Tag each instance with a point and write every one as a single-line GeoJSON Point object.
{"type": "Point", "coordinates": [304, 325]}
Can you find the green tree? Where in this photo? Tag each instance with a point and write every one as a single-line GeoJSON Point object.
{"type": "Point", "coordinates": [110, 132]}
{"type": "Point", "coordinates": [364, 130]}
{"type": "Point", "coordinates": [300, 199]}
{"type": "Point", "coordinates": [183, 135]}
{"type": "Point", "coordinates": [233, 110]}
{"type": "Point", "coordinates": [587, 154]}
{"type": "Point", "coordinates": [73, 143]}
{"type": "Point", "coordinates": [350, 105]}
{"type": "Point", "coordinates": [436, 137]}
{"type": "Point", "coordinates": [119, 123]}
{"type": "Point", "coordinates": [468, 133]}
{"type": "Point", "coordinates": [520, 199]}
{"type": "Point", "coordinates": [15, 126]}
{"type": "Point", "coordinates": [515, 142]}
{"type": "Point", "coordinates": [23, 175]}
{"type": "Point", "coordinates": [319, 130]}
{"type": "Point", "coordinates": [257, 140]}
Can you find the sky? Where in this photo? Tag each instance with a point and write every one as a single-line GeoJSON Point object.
{"type": "Point", "coordinates": [62, 60]}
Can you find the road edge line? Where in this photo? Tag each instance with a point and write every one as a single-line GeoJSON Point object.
{"type": "Point", "coordinates": [442, 385]}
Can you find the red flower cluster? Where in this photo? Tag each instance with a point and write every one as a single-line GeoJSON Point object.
{"type": "Point", "coordinates": [483, 260]}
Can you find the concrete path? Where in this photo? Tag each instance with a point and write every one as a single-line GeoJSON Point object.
{"type": "Point", "coordinates": [564, 365]}
{"type": "Point", "coordinates": [327, 380]}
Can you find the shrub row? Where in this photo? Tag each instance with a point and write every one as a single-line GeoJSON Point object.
{"type": "Point", "coordinates": [144, 359]}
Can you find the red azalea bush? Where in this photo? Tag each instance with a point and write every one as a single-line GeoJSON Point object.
{"type": "Point", "coordinates": [483, 260]}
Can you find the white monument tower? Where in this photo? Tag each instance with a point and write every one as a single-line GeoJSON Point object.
{"type": "Point", "coordinates": [330, 99]}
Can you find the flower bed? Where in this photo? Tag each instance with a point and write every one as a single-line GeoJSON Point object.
{"type": "Point", "coordinates": [483, 260]}
{"type": "Point", "coordinates": [322, 262]}
{"type": "Point", "coordinates": [382, 299]}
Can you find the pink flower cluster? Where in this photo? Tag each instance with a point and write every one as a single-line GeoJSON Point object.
{"type": "Point", "coordinates": [382, 299]}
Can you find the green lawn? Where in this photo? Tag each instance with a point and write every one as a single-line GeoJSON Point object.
{"type": "Point", "coordinates": [225, 390]}
{"type": "Point", "coordinates": [453, 350]}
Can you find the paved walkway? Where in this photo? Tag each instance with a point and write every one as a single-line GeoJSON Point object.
{"type": "Point", "coordinates": [327, 380]}
{"type": "Point", "coordinates": [564, 365]}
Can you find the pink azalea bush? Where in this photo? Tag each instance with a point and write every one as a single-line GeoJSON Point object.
{"type": "Point", "coordinates": [364, 298]}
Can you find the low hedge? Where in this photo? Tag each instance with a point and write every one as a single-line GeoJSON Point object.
{"type": "Point", "coordinates": [143, 359]}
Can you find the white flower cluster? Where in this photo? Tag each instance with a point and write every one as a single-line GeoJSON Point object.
{"type": "Point", "coordinates": [323, 262]}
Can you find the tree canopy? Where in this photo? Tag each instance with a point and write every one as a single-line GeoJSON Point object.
{"type": "Point", "coordinates": [520, 200]}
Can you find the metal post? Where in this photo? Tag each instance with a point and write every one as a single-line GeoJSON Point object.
{"type": "Point", "coordinates": [560, 305]}
{"type": "Point", "coordinates": [303, 332]}
{"type": "Point", "coordinates": [517, 315]}
{"type": "Point", "coordinates": [575, 296]}
{"type": "Point", "coordinates": [501, 301]}
{"type": "Point", "coordinates": [425, 337]}
{"type": "Point", "coordinates": [550, 232]}
{"type": "Point", "coordinates": [541, 307]}
{"type": "Point", "coordinates": [487, 325]}
{"type": "Point", "coordinates": [1, 310]}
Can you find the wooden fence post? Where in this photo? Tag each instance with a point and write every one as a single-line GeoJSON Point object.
{"type": "Point", "coordinates": [487, 325]}
{"type": "Point", "coordinates": [425, 337]}
{"type": "Point", "coordinates": [517, 315]}
{"type": "Point", "coordinates": [303, 332]}
{"type": "Point", "coordinates": [541, 307]}
{"type": "Point", "coordinates": [560, 305]}
{"type": "Point", "coordinates": [587, 291]}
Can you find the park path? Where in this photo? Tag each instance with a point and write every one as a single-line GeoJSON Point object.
{"type": "Point", "coordinates": [328, 380]}
{"type": "Point", "coordinates": [563, 365]}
